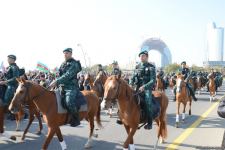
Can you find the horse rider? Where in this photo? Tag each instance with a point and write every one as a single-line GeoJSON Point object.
{"type": "Point", "coordinates": [144, 79]}
{"type": "Point", "coordinates": [187, 75]}
{"type": "Point", "coordinates": [212, 73]}
{"type": "Point", "coordinates": [161, 74]}
{"type": "Point", "coordinates": [100, 69]}
{"type": "Point", "coordinates": [12, 72]}
{"type": "Point", "coordinates": [116, 70]}
{"type": "Point", "coordinates": [68, 80]}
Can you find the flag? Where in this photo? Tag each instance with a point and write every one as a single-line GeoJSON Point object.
{"type": "Point", "coordinates": [42, 67]}
{"type": "Point", "coordinates": [2, 67]}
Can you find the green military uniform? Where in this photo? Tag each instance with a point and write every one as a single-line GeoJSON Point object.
{"type": "Point", "coordinates": [145, 75]}
{"type": "Point", "coordinates": [10, 76]}
{"type": "Point", "coordinates": [68, 79]}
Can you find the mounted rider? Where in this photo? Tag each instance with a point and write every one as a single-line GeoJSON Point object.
{"type": "Point", "coordinates": [116, 70]}
{"type": "Point", "coordinates": [187, 75]}
{"type": "Point", "coordinates": [144, 79]}
{"type": "Point", "coordinates": [160, 72]}
{"type": "Point", "coordinates": [68, 81]}
{"type": "Point", "coordinates": [11, 74]}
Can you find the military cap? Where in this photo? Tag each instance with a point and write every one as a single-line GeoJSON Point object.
{"type": "Point", "coordinates": [183, 62]}
{"type": "Point", "coordinates": [12, 56]}
{"type": "Point", "coordinates": [68, 50]}
{"type": "Point", "coordinates": [143, 52]}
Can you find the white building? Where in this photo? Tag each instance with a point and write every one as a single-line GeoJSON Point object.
{"type": "Point", "coordinates": [214, 42]}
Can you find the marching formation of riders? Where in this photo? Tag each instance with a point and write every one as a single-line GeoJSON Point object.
{"type": "Point", "coordinates": [71, 81]}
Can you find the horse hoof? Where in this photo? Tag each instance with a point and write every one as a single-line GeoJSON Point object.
{"type": "Point", "coordinates": [95, 135]}
{"type": "Point", "coordinates": [87, 146]}
{"type": "Point", "coordinates": [110, 115]}
{"type": "Point", "coordinates": [17, 130]}
{"type": "Point", "coordinates": [162, 141]}
{"type": "Point", "coordinates": [13, 138]}
{"type": "Point", "coordinates": [177, 125]}
{"type": "Point", "coordinates": [38, 133]}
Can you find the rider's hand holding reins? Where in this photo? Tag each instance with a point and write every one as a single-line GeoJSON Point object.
{"type": "Point", "coordinates": [52, 85]}
{"type": "Point", "coordinates": [141, 89]}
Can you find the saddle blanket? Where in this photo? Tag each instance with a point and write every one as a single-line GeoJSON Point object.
{"type": "Point", "coordinates": [61, 109]}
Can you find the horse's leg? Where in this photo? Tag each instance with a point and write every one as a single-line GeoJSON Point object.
{"type": "Point", "coordinates": [60, 138]}
{"type": "Point", "coordinates": [1, 119]}
{"type": "Point", "coordinates": [177, 114]}
{"type": "Point", "coordinates": [18, 117]}
{"type": "Point", "coordinates": [91, 126]}
{"type": "Point", "coordinates": [51, 132]}
{"type": "Point", "coordinates": [38, 116]}
{"type": "Point", "coordinates": [190, 101]}
{"type": "Point", "coordinates": [184, 109]}
{"type": "Point", "coordinates": [129, 141]}
{"type": "Point", "coordinates": [31, 119]}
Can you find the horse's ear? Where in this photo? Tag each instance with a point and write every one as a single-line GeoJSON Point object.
{"type": "Point", "coordinates": [18, 80]}
{"type": "Point", "coordinates": [118, 76]}
{"type": "Point", "coordinates": [23, 80]}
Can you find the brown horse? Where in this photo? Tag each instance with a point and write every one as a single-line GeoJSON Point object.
{"type": "Point", "coordinates": [200, 84]}
{"type": "Point", "coordinates": [183, 97]}
{"type": "Point", "coordinates": [28, 91]}
{"type": "Point", "coordinates": [159, 83]}
{"type": "Point", "coordinates": [129, 109]}
{"type": "Point", "coordinates": [212, 87]}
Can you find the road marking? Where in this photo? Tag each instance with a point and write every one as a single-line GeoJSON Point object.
{"type": "Point", "coordinates": [191, 128]}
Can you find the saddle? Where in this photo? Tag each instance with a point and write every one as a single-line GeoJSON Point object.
{"type": "Point", "coordinates": [140, 97]}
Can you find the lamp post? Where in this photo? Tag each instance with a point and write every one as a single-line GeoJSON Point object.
{"type": "Point", "coordinates": [79, 45]}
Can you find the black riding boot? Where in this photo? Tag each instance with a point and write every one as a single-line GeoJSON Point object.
{"type": "Point", "coordinates": [193, 94]}
{"type": "Point", "coordinates": [207, 87]}
{"type": "Point", "coordinates": [148, 126]}
{"type": "Point", "coordinates": [75, 120]}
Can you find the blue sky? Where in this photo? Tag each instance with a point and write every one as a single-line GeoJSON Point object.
{"type": "Point", "coordinates": [107, 29]}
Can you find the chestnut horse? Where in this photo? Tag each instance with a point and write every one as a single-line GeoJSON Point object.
{"type": "Point", "coordinates": [183, 97]}
{"type": "Point", "coordinates": [129, 109]}
{"type": "Point", "coordinates": [159, 83]}
{"type": "Point", "coordinates": [212, 87]}
{"type": "Point", "coordinates": [28, 91]}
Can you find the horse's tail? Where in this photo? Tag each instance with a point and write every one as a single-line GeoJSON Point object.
{"type": "Point", "coordinates": [98, 115]}
{"type": "Point", "coordinates": [162, 124]}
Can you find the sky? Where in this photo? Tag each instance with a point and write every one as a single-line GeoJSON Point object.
{"type": "Point", "coordinates": [106, 30]}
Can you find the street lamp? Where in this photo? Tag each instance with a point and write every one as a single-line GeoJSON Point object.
{"type": "Point", "coordinates": [79, 45]}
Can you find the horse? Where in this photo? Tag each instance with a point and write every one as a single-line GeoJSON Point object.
{"type": "Point", "coordinates": [129, 109]}
{"type": "Point", "coordinates": [28, 91]}
{"type": "Point", "coordinates": [159, 83]}
{"type": "Point", "coordinates": [97, 86]}
{"type": "Point", "coordinates": [212, 87]}
{"type": "Point", "coordinates": [183, 97]}
{"type": "Point", "coordinates": [33, 112]}
{"type": "Point", "coordinates": [200, 83]}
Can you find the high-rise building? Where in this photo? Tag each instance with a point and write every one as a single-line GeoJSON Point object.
{"type": "Point", "coordinates": [215, 40]}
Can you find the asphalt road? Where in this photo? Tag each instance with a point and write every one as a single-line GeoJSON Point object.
{"type": "Point", "coordinates": [112, 136]}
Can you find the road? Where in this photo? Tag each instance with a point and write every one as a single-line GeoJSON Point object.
{"type": "Point", "coordinates": [207, 130]}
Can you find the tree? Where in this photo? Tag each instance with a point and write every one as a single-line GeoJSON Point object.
{"type": "Point", "coordinates": [172, 68]}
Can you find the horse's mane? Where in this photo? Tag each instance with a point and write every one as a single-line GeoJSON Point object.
{"type": "Point", "coordinates": [37, 85]}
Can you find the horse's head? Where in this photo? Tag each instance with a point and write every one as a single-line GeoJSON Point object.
{"type": "Point", "coordinates": [88, 79]}
{"type": "Point", "coordinates": [112, 88]}
{"type": "Point", "coordinates": [99, 83]}
{"type": "Point", "coordinates": [179, 82]}
{"type": "Point", "coordinates": [21, 95]}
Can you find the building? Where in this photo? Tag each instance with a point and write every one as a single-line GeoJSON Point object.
{"type": "Point", "coordinates": [215, 49]}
